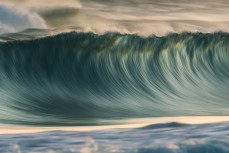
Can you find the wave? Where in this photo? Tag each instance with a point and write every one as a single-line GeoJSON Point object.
{"type": "Point", "coordinates": [15, 19]}
{"type": "Point", "coordinates": [82, 78]}
{"type": "Point", "coordinates": [164, 125]}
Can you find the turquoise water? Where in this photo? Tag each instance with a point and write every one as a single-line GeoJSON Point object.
{"type": "Point", "coordinates": [80, 78]}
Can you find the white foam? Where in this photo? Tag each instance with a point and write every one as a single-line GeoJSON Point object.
{"type": "Point", "coordinates": [14, 19]}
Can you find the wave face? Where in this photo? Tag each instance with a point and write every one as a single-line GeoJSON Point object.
{"type": "Point", "coordinates": [80, 78]}
{"type": "Point", "coordinates": [207, 138]}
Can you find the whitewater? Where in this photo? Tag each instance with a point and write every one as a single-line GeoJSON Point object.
{"type": "Point", "coordinates": [161, 138]}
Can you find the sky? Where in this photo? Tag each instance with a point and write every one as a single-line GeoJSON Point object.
{"type": "Point", "coordinates": [143, 17]}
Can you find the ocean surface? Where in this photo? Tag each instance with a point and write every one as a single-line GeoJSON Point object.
{"type": "Point", "coordinates": [94, 63]}
{"type": "Point", "coordinates": [157, 138]}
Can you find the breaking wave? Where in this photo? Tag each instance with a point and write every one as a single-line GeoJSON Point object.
{"type": "Point", "coordinates": [13, 19]}
{"type": "Point", "coordinates": [79, 78]}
